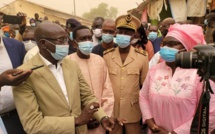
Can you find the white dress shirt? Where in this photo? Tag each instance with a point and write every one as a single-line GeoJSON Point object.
{"type": "Point", "coordinates": [2, 127]}
{"type": "Point", "coordinates": [6, 94]}
{"type": "Point", "coordinates": [58, 73]}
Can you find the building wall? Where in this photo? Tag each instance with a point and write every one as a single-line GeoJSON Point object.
{"type": "Point", "coordinates": [30, 9]}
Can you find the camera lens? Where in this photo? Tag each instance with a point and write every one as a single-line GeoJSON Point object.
{"type": "Point", "coordinates": [184, 59]}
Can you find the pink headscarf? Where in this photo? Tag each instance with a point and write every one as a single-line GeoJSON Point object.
{"type": "Point", "coordinates": [189, 35]}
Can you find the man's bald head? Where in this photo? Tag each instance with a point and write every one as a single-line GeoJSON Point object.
{"type": "Point", "coordinates": [48, 35]}
{"type": "Point", "coordinates": [165, 24]}
{"type": "Point", "coordinates": [109, 22]}
{"type": "Point", "coordinates": [46, 29]}
{"type": "Point", "coordinates": [153, 28]}
{"type": "Point", "coordinates": [169, 21]}
{"type": "Point", "coordinates": [109, 26]}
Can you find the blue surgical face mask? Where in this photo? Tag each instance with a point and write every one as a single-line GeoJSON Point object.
{"type": "Point", "coordinates": [85, 47]}
{"type": "Point", "coordinates": [71, 35]}
{"type": "Point", "coordinates": [168, 54]}
{"type": "Point", "coordinates": [152, 36]}
{"type": "Point", "coordinates": [61, 51]}
{"type": "Point", "coordinates": [123, 40]}
{"type": "Point", "coordinates": [7, 34]}
{"type": "Point", "coordinates": [107, 38]}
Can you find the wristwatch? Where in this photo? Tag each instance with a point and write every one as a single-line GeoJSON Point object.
{"type": "Point", "coordinates": [105, 117]}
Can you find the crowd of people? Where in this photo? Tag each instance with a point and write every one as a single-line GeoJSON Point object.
{"type": "Point", "coordinates": [119, 77]}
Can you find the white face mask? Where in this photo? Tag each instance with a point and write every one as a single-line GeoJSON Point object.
{"type": "Point", "coordinates": [97, 32]}
{"type": "Point", "coordinates": [29, 44]}
{"type": "Point", "coordinates": [134, 41]}
{"type": "Point", "coordinates": [17, 32]}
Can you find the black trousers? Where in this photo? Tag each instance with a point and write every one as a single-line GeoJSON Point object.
{"type": "Point", "coordinates": [12, 123]}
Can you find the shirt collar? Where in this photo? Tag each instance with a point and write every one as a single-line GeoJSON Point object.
{"type": "Point", "coordinates": [48, 63]}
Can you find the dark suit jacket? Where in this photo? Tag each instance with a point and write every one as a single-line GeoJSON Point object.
{"type": "Point", "coordinates": [15, 50]}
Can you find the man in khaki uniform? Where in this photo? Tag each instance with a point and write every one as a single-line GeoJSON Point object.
{"type": "Point", "coordinates": [127, 68]}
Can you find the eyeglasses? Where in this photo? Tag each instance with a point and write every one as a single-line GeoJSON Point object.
{"type": "Point", "coordinates": [61, 40]}
{"type": "Point", "coordinates": [108, 31]}
{"type": "Point", "coordinates": [27, 39]}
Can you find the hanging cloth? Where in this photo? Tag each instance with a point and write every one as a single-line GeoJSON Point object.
{"type": "Point", "coordinates": [154, 9]}
{"type": "Point", "coordinates": [178, 10]}
{"type": "Point", "coordinates": [196, 8]}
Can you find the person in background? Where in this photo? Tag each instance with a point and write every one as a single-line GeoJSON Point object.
{"type": "Point", "coordinates": [12, 53]}
{"type": "Point", "coordinates": [108, 33]}
{"type": "Point", "coordinates": [145, 26]}
{"type": "Point", "coordinates": [170, 95]}
{"type": "Point", "coordinates": [19, 29]}
{"type": "Point", "coordinates": [32, 22]}
{"type": "Point", "coordinates": [12, 33]}
{"type": "Point", "coordinates": [36, 18]}
{"type": "Point", "coordinates": [97, 30]}
{"type": "Point", "coordinates": [46, 18]}
{"type": "Point", "coordinates": [28, 38]}
{"type": "Point", "coordinates": [70, 25]}
{"type": "Point", "coordinates": [153, 37]}
{"type": "Point", "coordinates": [164, 26]}
{"type": "Point", "coordinates": [52, 98]}
{"type": "Point", "coordinates": [210, 27]}
{"type": "Point", "coordinates": [95, 72]}
{"type": "Point", "coordinates": [6, 31]}
{"type": "Point", "coordinates": [14, 30]}
{"type": "Point", "coordinates": [57, 22]}
{"type": "Point", "coordinates": [141, 42]}
{"type": "Point", "coordinates": [127, 68]}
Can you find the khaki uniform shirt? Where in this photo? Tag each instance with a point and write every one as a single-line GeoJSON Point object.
{"type": "Point", "coordinates": [126, 79]}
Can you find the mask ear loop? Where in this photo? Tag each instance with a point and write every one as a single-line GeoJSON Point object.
{"type": "Point", "coordinates": [46, 47]}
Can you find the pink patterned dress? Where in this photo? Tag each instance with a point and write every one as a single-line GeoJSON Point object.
{"type": "Point", "coordinates": [172, 99]}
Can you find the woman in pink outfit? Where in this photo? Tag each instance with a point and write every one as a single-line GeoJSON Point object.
{"type": "Point", "coordinates": [169, 96]}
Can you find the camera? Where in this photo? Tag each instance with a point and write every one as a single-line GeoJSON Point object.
{"type": "Point", "coordinates": [203, 59]}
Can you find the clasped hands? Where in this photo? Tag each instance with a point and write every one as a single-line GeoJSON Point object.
{"type": "Point", "coordinates": [86, 117]}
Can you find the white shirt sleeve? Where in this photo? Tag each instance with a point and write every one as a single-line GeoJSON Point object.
{"type": "Point", "coordinates": [154, 60]}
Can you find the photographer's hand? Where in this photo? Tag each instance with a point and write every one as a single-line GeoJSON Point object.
{"type": "Point", "coordinates": [23, 24]}
{"type": "Point", "coordinates": [8, 77]}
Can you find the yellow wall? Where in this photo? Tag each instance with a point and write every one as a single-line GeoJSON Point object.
{"type": "Point", "coordinates": [30, 9]}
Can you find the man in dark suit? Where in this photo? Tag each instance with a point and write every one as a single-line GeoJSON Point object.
{"type": "Point", "coordinates": [12, 53]}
